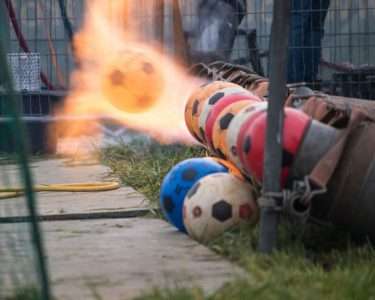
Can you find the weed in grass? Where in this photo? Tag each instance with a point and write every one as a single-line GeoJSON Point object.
{"type": "Point", "coordinates": [313, 262]}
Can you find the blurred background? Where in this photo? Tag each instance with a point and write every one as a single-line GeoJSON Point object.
{"type": "Point", "coordinates": [348, 45]}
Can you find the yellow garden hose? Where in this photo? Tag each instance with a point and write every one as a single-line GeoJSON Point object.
{"type": "Point", "coordinates": [13, 192]}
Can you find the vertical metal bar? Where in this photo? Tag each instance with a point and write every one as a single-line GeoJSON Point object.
{"type": "Point", "coordinates": [367, 29]}
{"type": "Point", "coordinates": [67, 24]}
{"type": "Point", "coordinates": [350, 31]}
{"type": "Point", "coordinates": [273, 152]}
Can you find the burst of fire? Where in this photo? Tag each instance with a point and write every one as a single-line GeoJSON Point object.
{"type": "Point", "coordinates": [122, 77]}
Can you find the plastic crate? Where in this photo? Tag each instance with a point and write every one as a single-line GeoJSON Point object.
{"type": "Point", "coordinates": [25, 70]}
{"type": "Point", "coordinates": [36, 111]}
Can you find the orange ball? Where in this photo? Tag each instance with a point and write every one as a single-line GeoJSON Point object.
{"type": "Point", "coordinates": [195, 102]}
{"type": "Point", "coordinates": [221, 125]}
{"type": "Point", "coordinates": [213, 100]}
{"type": "Point", "coordinates": [231, 167]}
{"type": "Point", "coordinates": [132, 82]}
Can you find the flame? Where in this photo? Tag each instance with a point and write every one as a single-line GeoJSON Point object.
{"type": "Point", "coordinates": [121, 76]}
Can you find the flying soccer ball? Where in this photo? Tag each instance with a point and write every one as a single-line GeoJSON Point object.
{"type": "Point", "coordinates": [125, 78]}
{"type": "Point", "coordinates": [216, 203]}
{"type": "Point", "coordinates": [178, 182]}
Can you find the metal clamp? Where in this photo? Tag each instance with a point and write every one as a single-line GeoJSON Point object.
{"type": "Point", "coordinates": [295, 202]}
{"type": "Point", "coordinates": [306, 192]}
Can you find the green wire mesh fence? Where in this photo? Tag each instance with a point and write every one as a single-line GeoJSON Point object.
{"type": "Point", "coordinates": [23, 273]}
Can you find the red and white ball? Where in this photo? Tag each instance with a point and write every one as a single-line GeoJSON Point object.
{"type": "Point", "coordinates": [234, 130]}
{"type": "Point", "coordinates": [212, 100]}
{"type": "Point", "coordinates": [193, 107]}
{"type": "Point", "coordinates": [252, 146]}
{"type": "Point", "coordinates": [218, 108]}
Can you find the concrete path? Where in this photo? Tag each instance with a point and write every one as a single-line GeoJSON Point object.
{"type": "Point", "coordinates": [120, 259]}
{"type": "Point", "coordinates": [68, 205]}
{"type": "Point", "coordinates": [115, 258]}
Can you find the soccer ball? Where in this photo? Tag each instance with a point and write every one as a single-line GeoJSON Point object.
{"type": "Point", "coordinates": [132, 82]}
{"type": "Point", "coordinates": [232, 169]}
{"type": "Point", "coordinates": [194, 104]}
{"type": "Point", "coordinates": [221, 126]}
{"type": "Point", "coordinates": [212, 100]}
{"type": "Point", "coordinates": [178, 182]}
{"type": "Point", "coordinates": [191, 107]}
{"type": "Point", "coordinates": [216, 203]}
{"type": "Point", "coordinates": [234, 130]}
{"type": "Point", "coordinates": [218, 108]}
{"type": "Point", "coordinates": [253, 143]}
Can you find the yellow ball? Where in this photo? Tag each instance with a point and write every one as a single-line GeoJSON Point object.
{"type": "Point", "coordinates": [132, 82]}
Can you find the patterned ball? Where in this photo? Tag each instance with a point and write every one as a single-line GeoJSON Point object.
{"type": "Point", "coordinates": [178, 182]}
{"type": "Point", "coordinates": [193, 106]}
{"type": "Point", "coordinates": [218, 108]}
{"type": "Point", "coordinates": [234, 130]}
{"type": "Point", "coordinates": [296, 123]}
{"type": "Point", "coordinates": [216, 203]}
{"type": "Point", "coordinates": [212, 100]}
{"type": "Point", "coordinates": [222, 124]}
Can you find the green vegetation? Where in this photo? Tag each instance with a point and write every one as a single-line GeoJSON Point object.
{"type": "Point", "coordinates": [321, 263]}
{"type": "Point", "coordinates": [143, 166]}
{"type": "Point", "coordinates": [27, 293]}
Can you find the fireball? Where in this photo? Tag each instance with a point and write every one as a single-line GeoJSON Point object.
{"type": "Point", "coordinates": [133, 82]}
{"type": "Point", "coordinates": [123, 75]}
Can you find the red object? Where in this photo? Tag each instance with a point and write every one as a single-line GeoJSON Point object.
{"type": "Point", "coordinates": [218, 107]}
{"type": "Point", "coordinates": [257, 111]}
{"type": "Point", "coordinates": [296, 124]}
{"type": "Point", "coordinates": [245, 212]}
{"type": "Point", "coordinates": [21, 39]}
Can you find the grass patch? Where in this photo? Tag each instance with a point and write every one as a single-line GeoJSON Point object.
{"type": "Point", "coordinates": [143, 166]}
{"type": "Point", "coordinates": [26, 293]}
{"type": "Point", "coordinates": [320, 263]}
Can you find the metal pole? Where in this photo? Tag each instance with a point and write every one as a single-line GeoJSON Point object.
{"type": "Point", "coordinates": [275, 119]}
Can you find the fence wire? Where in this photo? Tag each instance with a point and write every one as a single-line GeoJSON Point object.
{"type": "Point", "coordinates": [22, 262]}
{"type": "Point", "coordinates": [332, 41]}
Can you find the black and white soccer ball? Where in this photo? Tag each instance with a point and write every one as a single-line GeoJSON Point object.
{"type": "Point", "coordinates": [216, 203]}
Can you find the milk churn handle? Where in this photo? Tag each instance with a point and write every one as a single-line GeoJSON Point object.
{"type": "Point", "coordinates": [325, 168]}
